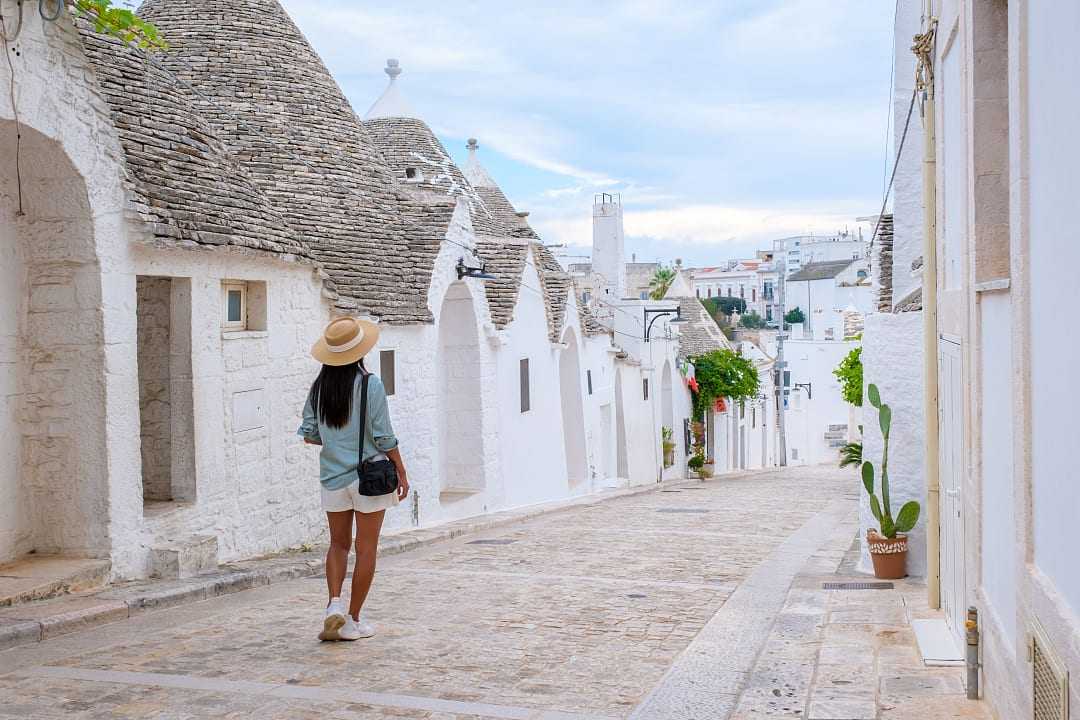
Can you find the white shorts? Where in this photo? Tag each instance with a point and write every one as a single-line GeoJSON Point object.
{"type": "Point", "coordinates": [349, 498]}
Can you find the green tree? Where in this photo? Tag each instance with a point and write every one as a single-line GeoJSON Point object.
{"type": "Point", "coordinates": [660, 282]}
{"type": "Point", "coordinates": [795, 316]}
{"type": "Point", "coordinates": [752, 321]}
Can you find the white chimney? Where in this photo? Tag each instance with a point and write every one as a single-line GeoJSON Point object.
{"type": "Point", "coordinates": [607, 244]}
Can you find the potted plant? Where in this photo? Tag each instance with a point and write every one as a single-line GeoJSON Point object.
{"type": "Point", "coordinates": [888, 543]}
{"type": "Point", "coordinates": [668, 444]}
{"type": "Point", "coordinates": [697, 461]}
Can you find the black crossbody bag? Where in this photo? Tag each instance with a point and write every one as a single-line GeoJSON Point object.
{"type": "Point", "coordinates": [377, 477]}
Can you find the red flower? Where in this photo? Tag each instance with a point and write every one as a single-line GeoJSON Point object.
{"type": "Point", "coordinates": [692, 383]}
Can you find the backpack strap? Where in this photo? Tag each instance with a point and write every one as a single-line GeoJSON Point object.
{"type": "Point", "coordinates": [363, 414]}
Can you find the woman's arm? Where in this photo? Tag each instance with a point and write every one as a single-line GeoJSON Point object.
{"type": "Point", "coordinates": [309, 427]}
{"type": "Point", "coordinates": [403, 480]}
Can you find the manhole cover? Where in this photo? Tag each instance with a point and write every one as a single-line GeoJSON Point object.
{"type": "Point", "coordinates": [857, 586]}
{"type": "Point", "coordinates": [683, 510]}
{"type": "Point", "coordinates": [493, 541]}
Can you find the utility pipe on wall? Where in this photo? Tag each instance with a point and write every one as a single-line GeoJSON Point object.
{"type": "Point", "coordinates": [923, 48]}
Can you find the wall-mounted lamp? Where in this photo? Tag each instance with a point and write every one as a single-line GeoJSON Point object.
{"type": "Point", "coordinates": [807, 386]}
{"type": "Point", "coordinates": [479, 273]}
{"type": "Point", "coordinates": [678, 319]}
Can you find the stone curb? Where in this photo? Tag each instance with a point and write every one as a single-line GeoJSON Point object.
{"type": "Point", "coordinates": [122, 601]}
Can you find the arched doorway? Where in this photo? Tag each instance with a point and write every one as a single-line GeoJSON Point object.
{"type": "Point", "coordinates": [461, 450]}
{"type": "Point", "coordinates": [54, 494]}
{"type": "Point", "coordinates": [622, 465]}
{"type": "Point", "coordinates": [573, 416]}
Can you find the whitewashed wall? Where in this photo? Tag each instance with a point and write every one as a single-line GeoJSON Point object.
{"type": "Point", "coordinates": [892, 360]}
{"type": "Point", "coordinates": [531, 443]}
{"type": "Point", "coordinates": [810, 414]}
{"type": "Point", "coordinates": [256, 483]}
{"type": "Point", "coordinates": [53, 418]}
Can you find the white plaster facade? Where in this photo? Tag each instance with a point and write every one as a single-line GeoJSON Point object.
{"type": "Point", "coordinates": [1006, 151]}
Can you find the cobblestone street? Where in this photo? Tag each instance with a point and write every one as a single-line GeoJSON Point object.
{"type": "Point", "coordinates": [702, 600]}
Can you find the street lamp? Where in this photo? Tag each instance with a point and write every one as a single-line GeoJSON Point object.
{"type": "Point", "coordinates": [479, 273]}
{"type": "Point", "coordinates": [658, 313]}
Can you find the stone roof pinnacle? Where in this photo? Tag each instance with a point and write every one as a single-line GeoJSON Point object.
{"type": "Point", "coordinates": [474, 172]}
{"type": "Point", "coordinates": [391, 103]}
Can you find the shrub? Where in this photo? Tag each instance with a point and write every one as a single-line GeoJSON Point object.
{"type": "Point", "coordinates": [795, 316]}
{"type": "Point", "coordinates": [850, 374]}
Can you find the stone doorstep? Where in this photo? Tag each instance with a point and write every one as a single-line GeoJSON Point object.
{"type": "Point", "coordinates": [40, 577]}
{"type": "Point", "coordinates": [37, 621]}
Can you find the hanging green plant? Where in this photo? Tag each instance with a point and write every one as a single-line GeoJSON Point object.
{"type": "Point", "coordinates": [723, 373]}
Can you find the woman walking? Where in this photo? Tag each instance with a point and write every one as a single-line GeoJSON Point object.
{"type": "Point", "coordinates": [360, 467]}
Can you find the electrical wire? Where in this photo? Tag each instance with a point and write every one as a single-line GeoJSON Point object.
{"type": "Point", "coordinates": [896, 165]}
{"type": "Point", "coordinates": [50, 17]}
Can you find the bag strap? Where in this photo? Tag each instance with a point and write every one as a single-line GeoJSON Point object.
{"type": "Point", "coordinates": [363, 413]}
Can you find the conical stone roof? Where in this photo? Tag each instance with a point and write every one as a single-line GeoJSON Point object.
{"type": "Point", "coordinates": [182, 180]}
{"type": "Point", "coordinates": [418, 159]}
{"type": "Point", "coordinates": [269, 97]}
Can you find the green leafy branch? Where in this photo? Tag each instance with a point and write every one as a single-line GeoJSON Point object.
{"type": "Point", "coordinates": [120, 22]}
{"type": "Point", "coordinates": [850, 374]}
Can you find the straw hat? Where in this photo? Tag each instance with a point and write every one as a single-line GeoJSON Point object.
{"type": "Point", "coordinates": [345, 340]}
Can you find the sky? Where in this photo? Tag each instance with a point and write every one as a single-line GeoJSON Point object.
{"type": "Point", "coordinates": [721, 124]}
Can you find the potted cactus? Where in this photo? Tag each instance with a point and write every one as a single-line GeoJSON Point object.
{"type": "Point", "coordinates": [888, 543]}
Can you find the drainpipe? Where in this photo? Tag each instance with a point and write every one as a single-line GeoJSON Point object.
{"type": "Point", "coordinates": [924, 49]}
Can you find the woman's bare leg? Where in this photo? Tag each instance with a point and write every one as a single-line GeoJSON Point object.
{"type": "Point", "coordinates": [368, 526]}
{"type": "Point", "coordinates": [337, 555]}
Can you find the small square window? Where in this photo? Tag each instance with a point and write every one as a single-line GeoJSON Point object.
{"type": "Point", "coordinates": [243, 305]}
{"type": "Point", "coordinates": [644, 295]}
{"type": "Point", "coordinates": [386, 370]}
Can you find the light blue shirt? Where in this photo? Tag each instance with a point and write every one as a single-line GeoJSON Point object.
{"type": "Point", "coordinates": [339, 455]}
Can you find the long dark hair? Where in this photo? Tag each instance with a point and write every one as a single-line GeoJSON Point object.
{"type": "Point", "coordinates": [332, 393]}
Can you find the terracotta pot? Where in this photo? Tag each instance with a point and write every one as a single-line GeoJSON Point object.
{"type": "Point", "coordinates": [889, 555]}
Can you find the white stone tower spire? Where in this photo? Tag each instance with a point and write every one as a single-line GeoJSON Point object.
{"type": "Point", "coordinates": [608, 245]}
{"type": "Point", "coordinates": [474, 172]}
{"type": "Point", "coordinates": [391, 103]}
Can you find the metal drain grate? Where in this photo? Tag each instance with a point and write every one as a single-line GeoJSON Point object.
{"type": "Point", "coordinates": [494, 541]}
{"type": "Point", "coordinates": [857, 586]}
{"type": "Point", "coordinates": [1049, 680]}
{"type": "Point", "coordinates": [683, 510]}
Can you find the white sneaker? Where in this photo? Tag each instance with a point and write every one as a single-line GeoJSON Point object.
{"type": "Point", "coordinates": [334, 620]}
{"type": "Point", "coordinates": [354, 630]}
